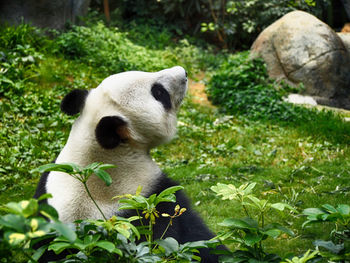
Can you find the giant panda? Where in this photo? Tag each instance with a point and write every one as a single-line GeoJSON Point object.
{"type": "Point", "coordinates": [120, 121]}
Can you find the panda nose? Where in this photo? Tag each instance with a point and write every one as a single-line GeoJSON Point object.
{"type": "Point", "coordinates": [186, 74]}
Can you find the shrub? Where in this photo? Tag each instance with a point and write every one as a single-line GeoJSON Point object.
{"type": "Point", "coordinates": [24, 231]}
{"type": "Point", "coordinates": [231, 24]}
{"type": "Point", "coordinates": [109, 50]}
{"type": "Point", "coordinates": [338, 247]}
{"type": "Point", "coordinates": [251, 231]}
{"type": "Point", "coordinates": [19, 55]}
{"type": "Point", "coordinates": [242, 86]}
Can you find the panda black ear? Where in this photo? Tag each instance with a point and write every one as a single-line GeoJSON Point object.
{"type": "Point", "coordinates": [74, 101]}
{"type": "Point", "coordinates": [111, 131]}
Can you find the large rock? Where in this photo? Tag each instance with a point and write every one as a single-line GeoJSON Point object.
{"type": "Point", "coordinates": [300, 48]}
{"type": "Point", "coordinates": [42, 13]}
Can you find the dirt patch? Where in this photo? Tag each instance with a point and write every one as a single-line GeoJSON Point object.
{"type": "Point", "coordinates": [196, 89]}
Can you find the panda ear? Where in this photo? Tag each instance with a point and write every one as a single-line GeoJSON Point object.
{"type": "Point", "coordinates": [74, 101]}
{"type": "Point", "coordinates": [111, 131]}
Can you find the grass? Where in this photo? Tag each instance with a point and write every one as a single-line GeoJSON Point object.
{"type": "Point", "coordinates": [288, 164]}
{"type": "Point", "coordinates": [305, 164]}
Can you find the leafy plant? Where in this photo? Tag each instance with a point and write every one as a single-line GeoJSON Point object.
{"type": "Point", "coordinates": [148, 206]}
{"type": "Point", "coordinates": [21, 228]}
{"type": "Point", "coordinates": [230, 24]}
{"type": "Point", "coordinates": [303, 259]}
{"type": "Point", "coordinates": [251, 231]}
{"type": "Point", "coordinates": [242, 86]}
{"type": "Point", "coordinates": [338, 248]}
{"type": "Point", "coordinates": [92, 240]}
{"type": "Point", "coordinates": [236, 23]}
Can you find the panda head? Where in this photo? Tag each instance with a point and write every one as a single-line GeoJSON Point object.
{"type": "Point", "coordinates": [135, 108]}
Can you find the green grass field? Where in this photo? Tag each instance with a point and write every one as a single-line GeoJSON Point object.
{"type": "Point", "coordinates": [304, 164]}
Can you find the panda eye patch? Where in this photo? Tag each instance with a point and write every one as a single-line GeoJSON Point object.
{"type": "Point", "coordinates": [161, 95]}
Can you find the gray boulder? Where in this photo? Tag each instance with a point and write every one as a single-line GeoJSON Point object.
{"type": "Point", "coordinates": [42, 13]}
{"type": "Point", "coordinates": [300, 48]}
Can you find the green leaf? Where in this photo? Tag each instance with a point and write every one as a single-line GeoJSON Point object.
{"type": "Point", "coordinates": [106, 245]}
{"type": "Point", "coordinates": [344, 209]}
{"type": "Point", "coordinates": [195, 244]}
{"type": "Point", "coordinates": [15, 222]}
{"type": "Point", "coordinates": [250, 239]}
{"type": "Point", "coordinates": [91, 166]}
{"type": "Point", "coordinates": [329, 245]}
{"type": "Point", "coordinates": [313, 211]}
{"type": "Point", "coordinates": [104, 176]}
{"type": "Point", "coordinates": [330, 208]}
{"type": "Point", "coordinates": [279, 227]}
{"type": "Point", "coordinates": [249, 188]}
{"type": "Point", "coordinates": [14, 208]}
{"type": "Point", "coordinates": [39, 252]}
{"type": "Point", "coordinates": [48, 211]}
{"type": "Point", "coordinates": [66, 168]}
{"type": "Point", "coordinates": [122, 230]}
{"type": "Point", "coordinates": [45, 196]}
{"type": "Point", "coordinates": [274, 233]}
{"type": "Point", "coordinates": [282, 206]}
{"type": "Point", "coordinates": [169, 244]}
{"type": "Point", "coordinates": [14, 238]}
{"type": "Point", "coordinates": [59, 247]}
{"type": "Point", "coordinates": [65, 231]}
{"type": "Point", "coordinates": [170, 190]}
{"type": "Point", "coordinates": [118, 252]}
{"type": "Point", "coordinates": [106, 166]}
{"type": "Point", "coordinates": [227, 191]}
{"type": "Point", "coordinates": [246, 223]}
{"type": "Point", "coordinates": [31, 208]}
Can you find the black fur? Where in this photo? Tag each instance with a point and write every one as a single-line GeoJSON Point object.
{"type": "Point", "coordinates": [108, 133]}
{"type": "Point", "coordinates": [41, 187]}
{"type": "Point", "coordinates": [162, 95]}
{"type": "Point", "coordinates": [74, 101]}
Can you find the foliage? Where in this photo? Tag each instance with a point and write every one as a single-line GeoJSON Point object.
{"type": "Point", "coordinates": [148, 206]}
{"type": "Point", "coordinates": [19, 55]}
{"type": "Point", "coordinates": [21, 228]}
{"type": "Point", "coordinates": [338, 248]}
{"type": "Point", "coordinates": [111, 51]}
{"type": "Point", "coordinates": [232, 23]}
{"type": "Point", "coordinates": [242, 85]}
{"type": "Point", "coordinates": [237, 23]}
{"type": "Point", "coordinates": [303, 259]}
{"type": "Point", "coordinates": [23, 231]}
{"type": "Point", "coordinates": [250, 232]}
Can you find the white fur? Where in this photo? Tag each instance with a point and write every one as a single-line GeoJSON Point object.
{"type": "Point", "coordinates": [127, 95]}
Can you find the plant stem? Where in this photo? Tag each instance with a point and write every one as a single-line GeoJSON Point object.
{"type": "Point", "coordinates": [262, 220]}
{"type": "Point", "coordinates": [140, 217]}
{"type": "Point", "coordinates": [150, 235]}
{"type": "Point", "coordinates": [93, 200]}
{"type": "Point", "coordinates": [246, 211]}
{"type": "Point", "coordinates": [166, 229]}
